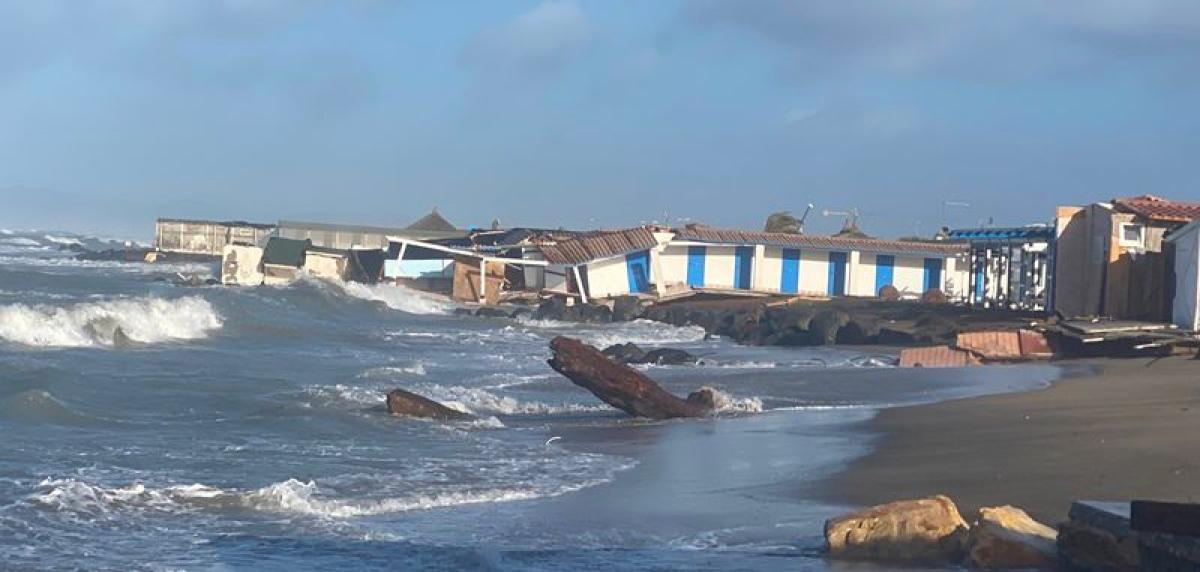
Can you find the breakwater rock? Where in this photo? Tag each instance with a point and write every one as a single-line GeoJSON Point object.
{"type": "Point", "coordinates": [849, 321]}
{"type": "Point", "coordinates": [409, 404]}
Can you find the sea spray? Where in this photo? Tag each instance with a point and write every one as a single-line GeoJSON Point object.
{"type": "Point", "coordinates": [146, 320]}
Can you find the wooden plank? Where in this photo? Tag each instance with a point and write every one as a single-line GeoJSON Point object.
{"type": "Point", "coordinates": [1165, 517]}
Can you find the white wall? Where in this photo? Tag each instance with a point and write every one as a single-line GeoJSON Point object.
{"type": "Point", "coordinates": [322, 265]}
{"type": "Point", "coordinates": [674, 262]}
{"type": "Point", "coordinates": [1185, 308]}
{"type": "Point", "coordinates": [242, 265]}
{"type": "Point", "coordinates": [863, 273]}
{"type": "Point", "coordinates": [814, 271]}
{"type": "Point", "coordinates": [718, 266]}
{"type": "Point", "coordinates": [770, 270]}
{"type": "Point", "coordinates": [608, 277]}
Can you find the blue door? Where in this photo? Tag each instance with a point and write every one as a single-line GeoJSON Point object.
{"type": "Point", "coordinates": [638, 265]}
{"type": "Point", "coordinates": [695, 269]}
{"type": "Point", "coordinates": [885, 269]}
{"type": "Point", "coordinates": [933, 274]}
{"type": "Point", "coordinates": [789, 282]}
{"type": "Point", "coordinates": [837, 274]}
{"type": "Point", "coordinates": [743, 259]}
{"type": "Point", "coordinates": [979, 286]}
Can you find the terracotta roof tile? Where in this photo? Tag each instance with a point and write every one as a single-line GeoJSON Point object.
{"type": "Point", "coordinates": [718, 236]}
{"type": "Point", "coordinates": [599, 245]}
{"type": "Point", "coordinates": [1158, 208]}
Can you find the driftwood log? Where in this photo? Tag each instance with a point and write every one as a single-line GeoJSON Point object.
{"type": "Point", "coordinates": [401, 402]}
{"type": "Point", "coordinates": [617, 384]}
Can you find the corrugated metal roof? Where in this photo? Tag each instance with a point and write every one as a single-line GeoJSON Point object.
{"type": "Point", "coordinates": [718, 236]}
{"type": "Point", "coordinates": [599, 245]}
{"type": "Point", "coordinates": [1020, 232]}
{"type": "Point", "coordinates": [1158, 208]}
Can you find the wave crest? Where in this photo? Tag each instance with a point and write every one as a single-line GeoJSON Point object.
{"type": "Point", "coordinates": [109, 323]}
{"type": "Point", "coordinates": [399, 297]}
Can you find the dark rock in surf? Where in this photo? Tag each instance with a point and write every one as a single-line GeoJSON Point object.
{"type": "Point", "coordinates": [626, 353]}
{"type": "Point", "coordinates": [626, 308]}
{"type": "Point", "coordinates": [488, 312]}
{"type": "Point", "coordinates": [862, 329]}
{"type": "Point", "coordinates": [401, 402]}
{"type": "Point", "coordinates": [669, 356]}
{"type": "Point", "coordinates": [709, 398]}
{"type": "Point", "coordinates": [617, 384]}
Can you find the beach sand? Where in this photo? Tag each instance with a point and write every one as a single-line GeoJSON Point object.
{"type": "Point", "coordinates": [1110, 430]}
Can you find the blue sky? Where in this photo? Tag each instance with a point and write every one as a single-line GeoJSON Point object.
{"type": "Point", "coordinates": [590, 114]}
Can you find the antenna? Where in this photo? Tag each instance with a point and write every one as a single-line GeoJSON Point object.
{"type": "Point", "coordinates": [804, 217]}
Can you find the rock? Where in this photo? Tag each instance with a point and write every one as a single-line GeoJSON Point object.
{"type": "Point", "coordinates": [626, 353]}
{"type": "Point", "coordinates": [709, 398]}
{"type": "Point", "coordinates": [921, 531]}
{"type": "Point", "coordinates": [520, 312]}
{"type": "Point", "coordinates": [593, 313]}
{"type": "Point", "coordinates": [669, 356]}
{"type": "Point", "coordinates": [1097, 536]}
{"type": "Point", "coordinates": [1006, 537]}
{"type": "Point", "coordinates": [490, 312]}
{"type": "Point", "coordinates": [463, 312]}
{"type": "Point", "coordinates": [933, 296]}
{"type": "Point", "coordinates": [552, 309]}
{"type": "Point", "coordinates": [401, 402]}
{"type": "Point", "coordinates": [860, 330]}
{"type": "Point", "coordinates": [889, 292]}
{"type": "Point", "coordinates": [617, 384]}
{"type": "Point", "coordinates": [823, 328]}
{"type": "Point", "coordinates": [626, 308]}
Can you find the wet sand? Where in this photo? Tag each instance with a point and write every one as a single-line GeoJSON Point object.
{"type": "Point", "coordinates": [1110, 430]}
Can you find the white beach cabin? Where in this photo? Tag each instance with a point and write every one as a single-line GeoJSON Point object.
{"type": "Point", "coordinates": [1185, 307]}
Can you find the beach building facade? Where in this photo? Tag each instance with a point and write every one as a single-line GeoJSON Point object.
{"type": "Point", "coordinates": [432, 226]}
{"type": "Point", "coordinates": [785, 263]}
{"type": "Point", "coordinates": [206, 237]}
{"type": "Point", "coordinates": [1110, 258]}
{"type": "Point", "coordinates": [283, 259]}
{"type": "Point", "coordinates": [1008, 267]}
{"type": "Point", "coordinates": [1185, 299]}
{"type": "Point", "coordinates": [655, 261]}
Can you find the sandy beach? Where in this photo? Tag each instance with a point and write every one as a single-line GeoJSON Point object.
{"type": "Point", "coordinates": [1111, 429]}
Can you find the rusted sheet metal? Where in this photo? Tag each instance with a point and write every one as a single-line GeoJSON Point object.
{"type": "Point", "coordinates": [937, 356]}
{"type": "Point", "coordinates": [1005, 345]}
{"type": "Point", "coordinates": [1035, 345]}
{"type": "Point", "coordinates": [991, 345]}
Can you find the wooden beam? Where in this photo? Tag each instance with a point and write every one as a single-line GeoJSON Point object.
{"type": "Point", "coordinates": [579, 283]}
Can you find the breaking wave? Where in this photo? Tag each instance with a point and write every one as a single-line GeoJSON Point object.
{"type": "Point", "coordinates": [641, 332]}
{"type": "Point", "coordinates": [293, 496]}
{"type": "Point", "coordinates": [400, 298]}
{"type": "Point", "coordinates": [111, 323]}
{"type": "Point", "coordinates": [480, 401]}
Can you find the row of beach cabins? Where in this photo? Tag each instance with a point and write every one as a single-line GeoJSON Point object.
{"type": "Point", "coordinates": [1134, 258]}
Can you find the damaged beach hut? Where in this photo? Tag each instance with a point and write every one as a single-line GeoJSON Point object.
{"type": "Point", "coordinates": [463, 272]}
{"type": "Point", "coordinates": [609, 263]}
{"type": "Point", "coordinates": [282, 260]}
{"type": "Point", "coordinates": [1185, 304]}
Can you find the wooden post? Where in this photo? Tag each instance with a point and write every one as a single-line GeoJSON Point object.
{"type": "Point", "coordinates": [400, 258]}
{"type": "Point", "coordinates": [483, 281]}
{"type": "Point", "coordinates": [579, 282]}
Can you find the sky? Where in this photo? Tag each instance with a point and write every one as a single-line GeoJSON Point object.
{"type": "Point", "coordinates": [591, 114]}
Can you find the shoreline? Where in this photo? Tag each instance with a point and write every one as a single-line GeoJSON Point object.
{"type": "Point", "coordinates": [1108, 429]}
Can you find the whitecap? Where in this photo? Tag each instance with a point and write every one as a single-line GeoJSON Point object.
{"type": "Point", "coordinates": [400, 298]}
{"type": "Point", "coordinates": [108, 323]}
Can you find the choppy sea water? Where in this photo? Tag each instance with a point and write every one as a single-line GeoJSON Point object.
{"type": "Point", "coordinates": [150, 426]}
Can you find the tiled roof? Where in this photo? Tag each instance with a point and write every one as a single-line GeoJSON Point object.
{"type": "Point", "coordinates": [599, 245]}
{"type": "Point", "coordinates": [1158, 208]}
{"type": "Point", "coordinates": [717, 236]}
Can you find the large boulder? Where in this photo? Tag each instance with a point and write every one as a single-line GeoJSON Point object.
{"type": "Point", "coordinates": [409, 404]}
{"type": "Point", "coordinates": [824, 326]}
{"type": "Point", "coordinates": [862, 329]}
{"type": "Point", "coordinates": [920, 531]}
{"type": "Point", "coordinates": [1005, 537]}
{"type": "Point", "coordinates": [617, 384]}
{"type": "Point", "coordinates": [626, 308]}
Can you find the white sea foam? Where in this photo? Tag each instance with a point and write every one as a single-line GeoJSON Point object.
{"type": "Point", "coordinates": [107, 323]}
{"type": "Point", "coordinates": [79, 496]}
{"type": "Point", "coordinates": [481, 401]}
{"type": "Point", "coordinates": [400, 298]}
{"type": "Point", "coordinates": [393, 372]}
{"type": "Point", "coordinates": [727, 403]}
{"type": "Point", "coordinates": [641, 332]}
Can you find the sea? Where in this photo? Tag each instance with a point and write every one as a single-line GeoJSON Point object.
{"type": "Point", "coordinates": [148, 425]}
